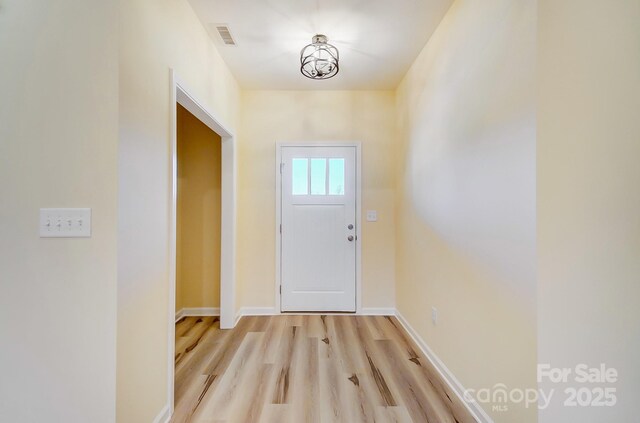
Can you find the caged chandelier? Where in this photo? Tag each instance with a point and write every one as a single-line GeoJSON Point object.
{"type": "Point", "coordinates": [319, 60]}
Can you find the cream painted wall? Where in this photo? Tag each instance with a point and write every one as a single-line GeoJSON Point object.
{"type": "Point", "coordinates": [198, 214]}
{"type": "Point", "coordinates": [58, 137]}
{"type": "Point", "coordinates": [306, 116]}
{"type": "Point", "coordinates": [154, 37]}
{"type": "Point", "coordinates": [466, 196]}
{"type": "Point", "coordinates": [589, 198]}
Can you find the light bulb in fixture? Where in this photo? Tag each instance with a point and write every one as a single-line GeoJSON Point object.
{"type": "Point", "coordinates": [319, 60]}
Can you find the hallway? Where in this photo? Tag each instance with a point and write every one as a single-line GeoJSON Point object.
{"type": "Point", "coordinates": [491, 210]}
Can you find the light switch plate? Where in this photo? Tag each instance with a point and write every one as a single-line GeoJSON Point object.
{"type": "Point", "coordinates": [65, 223]}
{"type": "Point", "coordinates": [372, 216]}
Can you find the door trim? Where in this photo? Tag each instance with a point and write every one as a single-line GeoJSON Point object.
{"type": "Point", "coordinates": [278, 220]}
{"type": "Point", "coordinates": [181, 94]}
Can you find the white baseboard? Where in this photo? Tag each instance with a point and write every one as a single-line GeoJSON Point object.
{"type": "Point", "coordinates": [197, 311]}
{"type": "Point", "coordinates": [257, 311]}
{"type": "Point", "coordinates": [179, 314]}
{"type": "Point", "coordinates": [378, 311]}
{"type": "Point", "coordinates": [164, 416]}
{"type": "Point", "coordinates": [474, 408]}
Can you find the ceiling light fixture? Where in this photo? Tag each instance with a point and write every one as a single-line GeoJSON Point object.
{"type": "Point", "coordinates": [319, 60]}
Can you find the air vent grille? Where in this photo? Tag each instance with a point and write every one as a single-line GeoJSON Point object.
{"type": "Point", "coordinates": [225, 34]}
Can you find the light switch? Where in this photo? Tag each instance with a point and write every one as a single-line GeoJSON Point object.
{"type": "Point", "coordinates": [372, 216]}
{"type": "Point", "coordinates": [65, 223]}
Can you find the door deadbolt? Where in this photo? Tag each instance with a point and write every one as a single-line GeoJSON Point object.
{"type": "Point", "coordinates": [350, 226]}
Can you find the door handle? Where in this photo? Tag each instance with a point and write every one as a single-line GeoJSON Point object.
{"type": "Point", "coordinates": [350, 237]}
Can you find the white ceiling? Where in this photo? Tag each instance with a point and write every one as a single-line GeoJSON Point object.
{"type": "Point", "coordinates": [377, 39]}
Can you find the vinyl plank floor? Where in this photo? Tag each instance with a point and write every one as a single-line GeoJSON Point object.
{"type": "Point", "coordinates": [307, 369]}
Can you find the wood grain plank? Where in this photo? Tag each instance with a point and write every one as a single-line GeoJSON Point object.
{"type": "Point", "coordinates": [230, 386]}
{"type": "Point", "coordinates": [222, 356]}
{"type": "Point", "coordinates": [421, 406]}
{"type": "Point", "coordinates": [274, 334]}
{"type": "Point", "coordinates": [305, 385]}
{"type": "Point", "coordinates": [256, 389]}
{"type": "Point", "coordinates": [393, 415]}
{"type": "Point", "coordinates": [332, 398]}
{"type": "Point", "coordinates": [276, 413]}
{"type": "Point", "coordinates": [282, 372]}
{"type": "Point", "coordinates": [184, 325]}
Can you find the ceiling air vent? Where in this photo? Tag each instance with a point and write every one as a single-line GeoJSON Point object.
{"type": "Point", "coordinates": [225, 34]}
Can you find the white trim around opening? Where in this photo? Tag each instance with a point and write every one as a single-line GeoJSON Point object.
{"type": "Point", "coordinates": [180, 94]}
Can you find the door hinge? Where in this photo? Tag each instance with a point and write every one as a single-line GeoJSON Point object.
{"type": "Point", "coordinates": [281, 228]}
{"type": "Point", "coordinates": [281, 167]}
{"type": "Point", "coordinates": [280, 289]}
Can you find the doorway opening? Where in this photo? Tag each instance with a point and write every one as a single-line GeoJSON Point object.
{"type": "Point", "coordinates": [216, 189]}
{"type": "Point", "coordinates": [199, 204]}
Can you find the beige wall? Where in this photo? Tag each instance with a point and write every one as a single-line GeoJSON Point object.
{"type": "Point", "coordinates": [198, 214]}
{"type": "Point", "coordinates": [58, 138]}
{"type": "Point", "coordinates": [589, 198]}
{"type": "Point", "coordinates": [306, 116]}
{"type": "Point", "coordinates": [466, 196]}
{"type": "Point", "coordinates": [154, 37]}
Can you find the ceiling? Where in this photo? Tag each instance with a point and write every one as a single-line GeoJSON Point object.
{"type": "Point", "coordinates": [377, 39]}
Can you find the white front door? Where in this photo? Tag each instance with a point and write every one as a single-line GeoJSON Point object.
{"type": "Point", "coordinates": [318, 268]}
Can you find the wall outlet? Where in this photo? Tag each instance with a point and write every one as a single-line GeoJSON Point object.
{"type": "Point", "coordinates": [372, 215]}
{"type": "Point", "coordinates": [434, 315]}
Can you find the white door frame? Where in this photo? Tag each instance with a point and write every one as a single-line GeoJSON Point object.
{"type": "Point", "coordinates": [180, 94]}
{"type": "Point", "coordinates": [358, 147]}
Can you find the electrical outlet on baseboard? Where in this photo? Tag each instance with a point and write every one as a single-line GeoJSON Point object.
{"type": "Point", "coordinates": [434, 315]}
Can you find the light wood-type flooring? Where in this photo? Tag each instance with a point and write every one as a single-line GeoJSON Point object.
{"type": "Point", "coordinates": [299, 369]}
